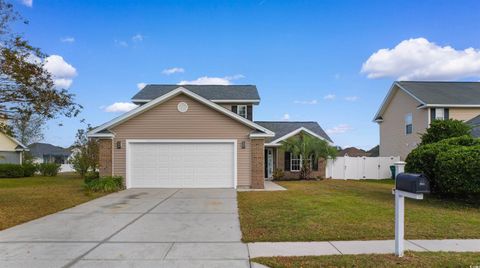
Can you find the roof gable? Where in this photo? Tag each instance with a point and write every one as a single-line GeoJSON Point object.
{"type": "Point", "coordinates": [215, 93]}
{"type": "Point", "coordinates": [101, 130]}
{"type": "Point", "coordinates": [435, 94]}
{"type": "Point", "coordinates": [285, 129]}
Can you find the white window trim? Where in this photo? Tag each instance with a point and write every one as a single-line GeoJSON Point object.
{"type": "Point", "coordinates": [438, 111]}
{"type": "Point", "coordinates": [300, 164]}
{"type": "Point", "coordinates": [405, 123]}
{"type": "Point", "coordinates": [246, 110]}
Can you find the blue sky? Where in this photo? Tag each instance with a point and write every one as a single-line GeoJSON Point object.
{"type": "Point", "coordinates": [305, 57]}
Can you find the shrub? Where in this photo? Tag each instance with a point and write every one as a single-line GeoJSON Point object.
{"type": "Point", "coordinates": [444, 129]}
{"type": "Point", "coordinates": [11, 171]}
{"type": "Point", "coordinates": [457, 172]}
{"type": "Point", "coordinates": [29, 169]}
{"type": "Point", "coordinates": [105, 184]}
{"type": "Point", "coordinates": [48, 169]}
{"type": "Point", "coordinates": [278, 174]}
{"type": "Point", "coordinates": [90, 176]}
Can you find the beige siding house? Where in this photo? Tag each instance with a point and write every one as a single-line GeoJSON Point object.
{"type": "Point", "coordinates": [193, 136]}
{"type": "Point", "coordinates": [11, 150]}
{"type": "Point", "coordinates": [409, 108]}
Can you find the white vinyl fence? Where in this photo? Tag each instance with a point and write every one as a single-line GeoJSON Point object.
{"type": "Point", "coordinates": [360, 167]}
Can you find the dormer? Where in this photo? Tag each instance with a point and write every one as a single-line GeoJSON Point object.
{"type": "Point", "coordinates": [239, 99]}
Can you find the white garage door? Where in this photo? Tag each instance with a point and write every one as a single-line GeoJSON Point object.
{"type": "Point", "coordinates": [181, 165]}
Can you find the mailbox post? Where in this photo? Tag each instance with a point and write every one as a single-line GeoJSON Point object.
{"type": "Point", "coordinates": [410, 186]}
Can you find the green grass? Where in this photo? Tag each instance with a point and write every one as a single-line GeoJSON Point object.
{"type": "Point", "coordinates": [349, 210]}
{"type": "Point", "coordinates": [25, 199]}
{"type": "Point", "coordinates": [411, 259]}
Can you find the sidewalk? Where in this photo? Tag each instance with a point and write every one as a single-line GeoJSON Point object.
{"type": "Point", "coordinates": [272, 249]}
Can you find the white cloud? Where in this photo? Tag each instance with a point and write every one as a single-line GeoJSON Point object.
{"type": "Point", "coordinates": [307, 102]}
{"type": "Point", "coordinates": [173, 70]}
{"type": "Point", "coordinates": [351, 98]}
{"type": "Point", "coordinates": [28, 3]}
{"type": "Point", "coordinates": [342, 128]}
{"type": "Point", "coordinates": [423, 60]}
{"type": "Point", "coordinates": [62, 72]}
{"type": "Point", "coordinates": [141, 85]}
{"type": "Point", "coordinates": [329, 97]}
{"type": "Point", "coordinates": [205, 80]}
{"type": "Point", "coordinates": [137, 38]}
{"type": "Point", "coordinates": [286, 117]}
{"type": "Point", "coordinates": [121, 43]}
{"type": "Point", "coordinates": [67, 39]}
{"type": "Point", "coordinates": [120, 107]}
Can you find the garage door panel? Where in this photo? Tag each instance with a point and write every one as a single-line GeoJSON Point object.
{"type": "Point", "coordinates": [181, 165]}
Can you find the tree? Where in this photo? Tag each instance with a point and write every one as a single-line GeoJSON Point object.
{"type": "Point", "coordinates": [28, 128]}
{"type": "Point", "coordinates": [25, 86]}
{"type": "Point", "coordinates": [306, 146]}
{"type": "Point", "coordinates": [444, 129]}
{"type": "Point", "coordinates": [85, 153]}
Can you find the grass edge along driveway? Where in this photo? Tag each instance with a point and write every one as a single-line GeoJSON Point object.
{"type": "Point", "coordinates": [26, 199]}
{"type": "Point", "coordinates": [349, 210]}
{"type": "Point", "coordinates": [411, 259]}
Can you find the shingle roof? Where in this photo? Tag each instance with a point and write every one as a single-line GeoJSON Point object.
{"type": "Point", "coordinates": [41, 149]}
{"type": "Point", "coordinates": [453, 93]}
{"type": "Point", "coordinates": [210, 92]}
{"type": "Point", "coordinates": [475, 123]}
{"type": "Point", "coordinates": [282, 128]}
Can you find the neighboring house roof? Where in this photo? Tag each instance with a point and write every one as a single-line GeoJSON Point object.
{"type": "Point", "coordinates": [436, 94]}
{"type": "Point", "coordinates": [215, 93]}
{"type": "Point", "coordinates": [102, 130]}
{"type": "Point", "coordinates": [41, 149]}
{"type": "Point", "coordinates": [475, 123]}
{"type": "Point", "coordinates": [284, 129]}
{"type": "Point", "coordinates": [353, 152]}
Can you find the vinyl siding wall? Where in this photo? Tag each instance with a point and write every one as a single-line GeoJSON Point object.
{"type": "Point", "coordinates": [464, 114]}
{"type": "Point", "coordinates": [393, 140]}
{"type": "Point", "coordinates": [199, 122]}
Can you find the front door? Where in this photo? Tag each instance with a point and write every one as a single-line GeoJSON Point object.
{"type": "Point", "coordinates": [269, 162]}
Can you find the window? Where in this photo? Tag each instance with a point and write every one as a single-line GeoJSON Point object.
{"type": "Point", "coordinates": [242, 110]}
{"type": "Point", "coordinates": [408, 124]}
{"type": "Point", "coordinates": [439, 114]}
{"type": "Point", "coordinates": [296, 162]}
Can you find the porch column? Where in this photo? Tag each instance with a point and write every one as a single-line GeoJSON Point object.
{"type": "Point", "coordinates": [105, 157]}
{"type": "Point", "coordinates": [258, 163]}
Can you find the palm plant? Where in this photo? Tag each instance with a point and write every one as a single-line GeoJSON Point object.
{"type": "Point", "coordinates": [306, 147]}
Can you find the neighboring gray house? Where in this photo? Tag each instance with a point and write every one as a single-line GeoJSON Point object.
{"type": "Point", "coordinates": [475, 123]}
{"type": "Point", "coordinates": [48, 153]}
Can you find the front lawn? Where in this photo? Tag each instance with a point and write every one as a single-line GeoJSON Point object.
{"type": "Point", "coordinates": [411, 259]}
{"type": "Point", "coordinates": [25, 199]}
{"type": "Point", "coordinates": [349, 210]}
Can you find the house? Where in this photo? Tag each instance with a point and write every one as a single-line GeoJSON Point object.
{"type": "Point", "coordinates": [352, 152]}
{"type": "Point", "coordinates": [11, 150]}
{"type": "Point", "coordinates": [410, 106]}
{"type": "Point", "coordinates": [475, 123]}
{"type": "Point", "coordinates": [195, 136]}
{"type": "Point", "coordinates": [48, 153]}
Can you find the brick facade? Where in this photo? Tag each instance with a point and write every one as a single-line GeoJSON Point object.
{"type": "Point", "coordinates": [280, 164]}
{"type": "Point", "coordinates": [105, 157]}
{"type": "Point", "coordinates": [258, 163]}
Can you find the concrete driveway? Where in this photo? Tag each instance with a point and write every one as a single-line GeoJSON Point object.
{"type": "Point", "coordinates": [133, 228]}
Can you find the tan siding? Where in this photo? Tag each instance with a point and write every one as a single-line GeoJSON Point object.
{"type": "Point", "coordinates": [393, 140]}
{"type": "Point", "coordinates": [199, 122]}
{"type": "Point", "coordinates": [464, 114]}
{"type": "Point", "coordinates": [6, 144]}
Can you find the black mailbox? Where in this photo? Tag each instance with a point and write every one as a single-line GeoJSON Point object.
{"type": "Point", "coordinates": [413, 183]}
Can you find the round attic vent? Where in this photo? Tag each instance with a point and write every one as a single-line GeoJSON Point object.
{"type": "Point", "coordinates": [182, 107]}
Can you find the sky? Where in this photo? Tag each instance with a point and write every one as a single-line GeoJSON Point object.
{"type": "Point", "coordinates": [326, 61]}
